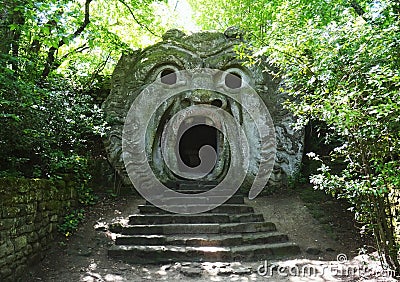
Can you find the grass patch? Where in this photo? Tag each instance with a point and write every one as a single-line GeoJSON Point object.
{"type": "Point", "coordinates": [320, 206]}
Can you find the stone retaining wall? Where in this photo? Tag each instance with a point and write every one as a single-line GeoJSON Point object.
{"type": "Point", "coordinates": [29, 213]}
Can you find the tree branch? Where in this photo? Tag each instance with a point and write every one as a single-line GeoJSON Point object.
{"type": "Point", "coordinates": [359, 10]}
{"type": "Point", "coordinates": [136, 20]}
{"type": "Point", "coordinates": [396, 9]}
{"type": "Point", "coordinates": [99, 69]}
{"type": "Point", "coordinates": [36, 44]}
{"type": "Point", "coordinates": [81, 48]}
{"type": "Point", "coordinates": [51, 54]}
{"type": "Point", "coordinates": [17, 18]}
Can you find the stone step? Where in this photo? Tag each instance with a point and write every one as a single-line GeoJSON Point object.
{"type": "Point", "coordinates": [147, 219]}
{"type": "Point", "coordinates": [195, 186]}
{"type": "Point", "coordinates": [199, 228]}
{"type": "Point", "coordinates": [225, 208]}
{"type": "Point", "coordinates": [210, 240]}
{"type": "Point", "coordinates": [198, 182]}
{"type": "Point", "coordinates": [195, 190]}
{"type": "Point", "coordinates": [169, 194]}
{"type": "Point", "coordinates": [168, 253]}
{"type": "Point", "coordinates": [235, 199]}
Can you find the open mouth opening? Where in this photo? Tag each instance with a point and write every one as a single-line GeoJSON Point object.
{"type": "Point", "coordinates": [197, 149]}
{"type": "Point", "coordinates": [193, 139]}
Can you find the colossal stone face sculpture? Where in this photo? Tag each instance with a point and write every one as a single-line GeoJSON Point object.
{"type": "Point", "coordinates": [164, 60]}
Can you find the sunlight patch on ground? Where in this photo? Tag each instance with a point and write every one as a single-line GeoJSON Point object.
{"type": "Point", "coordinates": [91, 277]}
{"type": "Point", "coordinates": [360, 268]}
{"type": "Point", "coordinates": [210, 249]}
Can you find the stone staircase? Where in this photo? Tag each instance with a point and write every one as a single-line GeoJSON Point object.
{"type": "Point", "coordinates": [230, 232]}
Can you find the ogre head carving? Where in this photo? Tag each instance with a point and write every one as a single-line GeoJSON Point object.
{"type": "Point", "coordinates": [164, 62]}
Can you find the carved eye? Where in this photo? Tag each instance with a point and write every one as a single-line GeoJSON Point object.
{"type": "Point", "coordinates": [233, 80]}
{"type": "Point", "coordinates": [168, 76]}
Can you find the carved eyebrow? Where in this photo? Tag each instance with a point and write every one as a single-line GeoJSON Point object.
{"type": "Point", "coordinates": [158, 68]}
{"type": "Point", "coordinates": [237, 68]}
{"type": "Point", "coordinates": [224, 61]}
{"type": "Point", "coordinates": [234, 65]}
{"type": "Point", "coordinates": [183, 49]}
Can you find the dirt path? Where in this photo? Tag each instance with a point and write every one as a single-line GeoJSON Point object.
{"type": "Point", "coordinates": [83, 257]}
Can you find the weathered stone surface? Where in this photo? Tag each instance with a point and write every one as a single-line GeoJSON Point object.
{"type": "Point", "coordinates": [5, 273]}
{"type": "Point", "coordinates": [233, 200]}
{"type": "Point", "coordinates": [6, 248]}
{"type": "Point", "coordinates": [223, 240]}
{"type": "Point", "coordinates": [211, 50]}
{"type": "Point", "coordinates": [7, 223]}
{"type": "Point", "coordinates": [25, 229]}
{"type": "Point", "coordinates": [191, 271]}
{"type": "Point", "coordinates": [11, 212]}
{"type": "Point", "coordinates": [204, 218]}
{"type": "Point", "coordinates": [233, 209]}
{"type": "Point", "coordinates": [196, 238]}
{"type": "Point", "coordinates": [20, 243]}
{"type": "Point", "coordinates": [163, 254]}
{"type": "Point", "coordinates": [28, 250]}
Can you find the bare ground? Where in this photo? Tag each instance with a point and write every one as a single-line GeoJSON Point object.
{"type": "Point", "coordinates": [83, 257]}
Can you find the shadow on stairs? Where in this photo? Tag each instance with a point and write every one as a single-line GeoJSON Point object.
{"type": "Point", "coordinates": [230, 232]}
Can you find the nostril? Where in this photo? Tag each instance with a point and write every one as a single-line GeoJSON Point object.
{"type": "Point", "coordinates": [217, 103]}
{"type": "Point", "coordinates": [186, 103]}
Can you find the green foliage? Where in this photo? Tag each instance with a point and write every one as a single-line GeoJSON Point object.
{"type": "Point", "coordinates": [49, 129]}
{"type": "Point", "coordinates": [71, 222]}
{"type": "Point", "coordinates": [111, 193]}
{"type": "Point", "coordinates": [56, 58]}
{"type": "Point", "coordinates": [296, 179]}
{"type": "Point", "coordinates": [340, 61]}
{"type": "Point", "coordinates": [86, 195]}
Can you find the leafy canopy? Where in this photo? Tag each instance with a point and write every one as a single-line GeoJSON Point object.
{"type": "Point", "coordinates": [56, 58]}
{"type": "Point", "coordinates": [341, 62]}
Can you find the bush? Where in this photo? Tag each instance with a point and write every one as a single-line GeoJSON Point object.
{"type": "Point", "coordinates": [71, 222]}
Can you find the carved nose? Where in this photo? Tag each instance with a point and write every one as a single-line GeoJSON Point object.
{"type": "Point", "coordinates": [208, 97]}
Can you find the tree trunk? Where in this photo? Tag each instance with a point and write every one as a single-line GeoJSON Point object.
{"type": "Point", "coordinates": [5, 32]}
